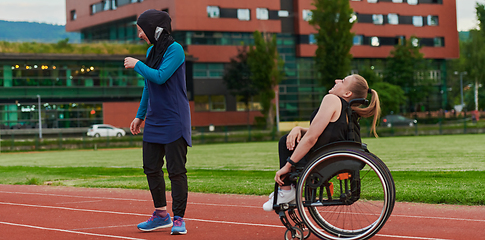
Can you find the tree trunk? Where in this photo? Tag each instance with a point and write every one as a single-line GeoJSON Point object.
{"type": "Point", "coordinates": [270, 117]}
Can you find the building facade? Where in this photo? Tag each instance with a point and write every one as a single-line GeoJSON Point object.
{"type": "Point", "coordinates": [212, 31]}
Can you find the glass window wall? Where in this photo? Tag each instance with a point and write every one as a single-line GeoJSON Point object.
{"type": "Point", "coordinates": [53, 115]}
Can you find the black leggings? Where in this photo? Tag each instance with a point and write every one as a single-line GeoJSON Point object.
{"type": "Point", "coordinates": [284, 153]}
{"type": "Point", "coordinates": [175, 154]}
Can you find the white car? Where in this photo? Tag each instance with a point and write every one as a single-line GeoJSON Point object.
{"type": "Point", "coordinates": [104, 130]}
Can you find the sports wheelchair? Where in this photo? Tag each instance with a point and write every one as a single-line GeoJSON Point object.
{"type": "Point", "coordinates": [343, 192]}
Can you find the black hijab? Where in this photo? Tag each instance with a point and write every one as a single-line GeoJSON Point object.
{"type": "Point", "coordinates": [148, 22]}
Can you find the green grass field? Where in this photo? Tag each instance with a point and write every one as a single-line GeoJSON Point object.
{"type": "Point", "coordinates": [433, 169]}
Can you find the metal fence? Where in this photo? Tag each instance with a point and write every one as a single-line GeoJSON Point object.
{"type": "Point", "coordinates": [76, 138]}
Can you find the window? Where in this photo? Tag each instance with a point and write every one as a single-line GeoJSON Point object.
{"type": "Point", "coordinates": [98, 7]}
{"type": "Point", "coordinates": [415, 42]}
{"type": "Point", "coordinates": [401, 40]}
{"type": "Point", "coordinates": [372, 1]}
{"type": "Point", "coordinates": [418, 21]}
{"type": "Point", "coordinates": [208, 70]}
{"type": "Point", "coordinates": [253, 104]}
{"type": "Point", "coordinates": [393, 18]}
{"type": "Point", "coordinates": [216, 70]}
{"type": "Point", "coordinates": [358, 40]}
{"type": "Point", "coordinates": [432, 20]}
{"type": "Point", "coordinates": [243, 14]}
{"type": "Point", "coordinates": [412, 2]}
{"type": "Point", "coordinates": [213, 12]}
{"type": "Point", "coordinates": [374, 41]}
{"type": "Point", "coordinates": [107, 5]}
{"type": "Point", "coordinates": [120, 3]}
{"type": "Point", "coordinates": [439, 42]}
{"type": "Point", "coordinates": [312, 39]}
{"type": "Point", "coordinates": [397, 1]}
{"type": "Point", "coordinates": [201, 103]}
{"type": "Point", "coordinates": [283, 13]}
{"type": "Point", "coordinates": [378, 19]}
{"type": "Point", "coordinates": [217, 103]}
{"type": "Point", "coordinates": [73, 15]}
{"type": "Point", "coordinates": [353, 17]}
{"type": "Point", "coordinates": [262, 13]}
{"type": "Point", "coordinates": [307, 15]}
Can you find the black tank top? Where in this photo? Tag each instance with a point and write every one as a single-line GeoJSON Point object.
{"type": "Point", "coordinates": [338, 130]}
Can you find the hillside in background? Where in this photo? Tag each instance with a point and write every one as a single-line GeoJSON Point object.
{"type": "Point", "coordinates": [35, 32]}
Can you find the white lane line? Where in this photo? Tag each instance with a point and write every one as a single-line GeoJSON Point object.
{"type": "Point", "coordinates": [408, 237]}
{"type": "Point", "coordinates": [117, 226]}
{"type": "Point", "coordinates": [71, 209]}
{"type": "Point", "coordinates": [439, 218]}
{"type": "Point", "coordinates": [80, 202]}
{"type": "Point", "coordinates": [228, 205]}
{"type": "Point", "coordinates": [236, 223]}
{"type": "Point", "coordinates": [73, 196]}
{"type": "Point", "coordinates": [194, 219]}
{"type": "Point", "coordinates": [70, 231]}
{"type": "Point", "coordinates": [125, 199]}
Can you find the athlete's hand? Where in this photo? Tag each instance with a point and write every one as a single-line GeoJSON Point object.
{"type": "Point", "coordinates": [135, 126]}
{"type": "Point", "coordinates": [130, 62]}
{"type": "Point", "coordinates": [293, 138]}
{"type": "Point", "coordinates": [280, 174]}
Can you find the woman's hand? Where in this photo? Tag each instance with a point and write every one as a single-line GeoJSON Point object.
{"type": "Point", "coordinates": [135, 126]}
{"type": "Point", "coordinates": [293, 138]}
{"type": "Point", "coordinates": [130, 62]}
{"type": "Point", "coordinates": [284, 170]}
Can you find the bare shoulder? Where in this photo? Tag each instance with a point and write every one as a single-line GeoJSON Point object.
{"type": "Point", "coordinates": [331, 99]}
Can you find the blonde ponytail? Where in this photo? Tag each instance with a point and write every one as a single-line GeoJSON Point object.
{"type": "Point", "coordinates": [374, 107]}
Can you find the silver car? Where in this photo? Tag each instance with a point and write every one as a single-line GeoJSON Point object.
{"type": "Point", "coordinates": [104, 130]}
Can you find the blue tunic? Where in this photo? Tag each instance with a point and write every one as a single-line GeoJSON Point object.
{"type": "Point", "coordinates": [164, 101]}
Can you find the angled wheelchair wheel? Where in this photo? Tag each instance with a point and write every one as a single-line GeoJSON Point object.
{"type": "Point", "coordinates": [345, 193]}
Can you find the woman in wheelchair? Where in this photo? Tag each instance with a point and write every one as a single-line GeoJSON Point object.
{"type": "Point", "coordinates": [340, 189]}
{"type": "Point", "coordinates": [327, 124]}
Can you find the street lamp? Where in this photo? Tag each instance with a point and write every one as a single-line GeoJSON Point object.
{"type": "Point", "coordinates": [461, 84]}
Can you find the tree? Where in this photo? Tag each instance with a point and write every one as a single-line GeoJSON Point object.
{"type": "Point", "coordinates": [406, 68]}
{"type": "Point", "coordinates": [265, 64]}
{"type": "Point", "coordinates": [473, 52]}
{"type": "Point", "coordinates": [333, 20]}
{"type": "Point", "coordinates": [237, 78]}
{"type": "Point", "coordinates": [391, 96]}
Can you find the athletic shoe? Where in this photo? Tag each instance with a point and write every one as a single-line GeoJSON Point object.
{"type": "Point", "coordinates": [155, 222]}
{"type": "Point", "coordinates": [284, 196]}
{"type": "Point", "coordinates": [178, 226]}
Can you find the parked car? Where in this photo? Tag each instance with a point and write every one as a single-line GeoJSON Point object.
{"type": "Point", "coordinates": [104, 130]}
{"type": "Point", "coordinates": [397, 120]}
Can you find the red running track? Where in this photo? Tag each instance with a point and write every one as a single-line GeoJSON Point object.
{"type": "Point", "coordinates": [47, 212]}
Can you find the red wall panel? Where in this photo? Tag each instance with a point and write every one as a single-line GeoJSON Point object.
{"type": "Point", "coordinates": [212, 53]}
{"type": "Point", "coordinates": [120, 114]}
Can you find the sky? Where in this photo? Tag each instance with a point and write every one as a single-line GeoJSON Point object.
{"type": "Point", "coordinates": [54, 12]}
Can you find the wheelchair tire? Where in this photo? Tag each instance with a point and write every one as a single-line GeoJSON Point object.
{"type": "Point", "coordinates": [362, 198]}
{"type": "Point", "coordinates": [297, 236]}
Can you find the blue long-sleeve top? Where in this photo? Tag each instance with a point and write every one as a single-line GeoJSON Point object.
{"type": "Point", "coordinates": [164, 104]}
